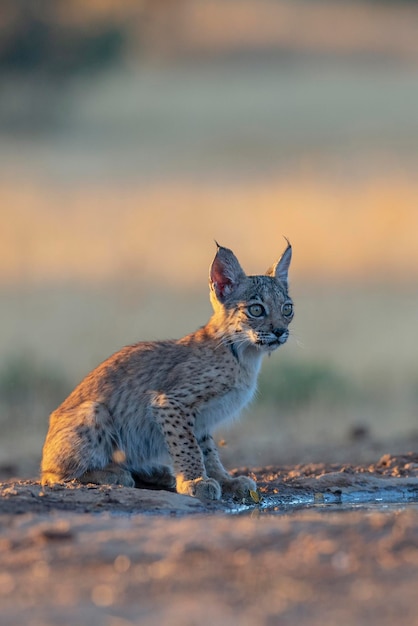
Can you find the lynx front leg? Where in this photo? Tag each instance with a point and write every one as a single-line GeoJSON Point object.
{"type": "Point", "coordinates": [177, 422]}
{"type": "Point", "coordinates": [239, 486]}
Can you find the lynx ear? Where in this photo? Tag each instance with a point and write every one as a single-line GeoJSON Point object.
{"type": "Point", "coordinates": [281, 268]}
{"type": "Point", "coordinates": [225, 273]}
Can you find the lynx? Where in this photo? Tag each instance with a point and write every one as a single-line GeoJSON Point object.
{"type": "Point", "coordinates": [156, 399]}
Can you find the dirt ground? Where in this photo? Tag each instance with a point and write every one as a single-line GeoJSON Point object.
{"type": "Point", "coordinates": [315, 550]}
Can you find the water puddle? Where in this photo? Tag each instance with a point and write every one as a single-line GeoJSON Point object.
{"type": "Point", "coordinates": [365, 507]}
{"type": "Point", "coordinates": [389, 498]}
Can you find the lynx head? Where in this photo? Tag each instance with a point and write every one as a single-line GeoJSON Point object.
{"type": "Point", "coordinates": [251, 311]}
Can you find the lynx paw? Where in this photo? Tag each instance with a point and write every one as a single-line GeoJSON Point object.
{"type": "Point", "coordinates": [202, 488]}
{"type": "Point", "coordinates": [239, 486]}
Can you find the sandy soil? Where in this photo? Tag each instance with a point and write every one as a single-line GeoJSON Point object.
{"type": "Point", "coordinates": [118, 556]}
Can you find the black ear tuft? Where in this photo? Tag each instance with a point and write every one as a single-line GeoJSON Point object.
{"type": "Point", "coordinates": [280, 269]}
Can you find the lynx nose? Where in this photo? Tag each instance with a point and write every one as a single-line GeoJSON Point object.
{"type": "Point", "coordinates": [279, 332]}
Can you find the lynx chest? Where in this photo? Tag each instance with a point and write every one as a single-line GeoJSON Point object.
{"type": "Point", "coordinates": [227, 405]}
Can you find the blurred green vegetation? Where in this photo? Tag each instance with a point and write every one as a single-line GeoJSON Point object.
{"type": "Point", "coordinates": [300, 403]}
{"type": "Point", "coordinates": [46, 38]}
{"type": "Point", "coordinates": [297, 384]}
{"type": "Point", "coordinates": [29, 391]}
{"type": "Point", "coordinates": [29, 387]}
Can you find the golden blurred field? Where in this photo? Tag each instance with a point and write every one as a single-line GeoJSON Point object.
{"type": "Point", "coordinates": [114, 185]}
{"type": "Point", "coordinates": [353, 230]}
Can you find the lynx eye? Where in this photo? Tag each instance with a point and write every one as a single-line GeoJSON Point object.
{"type": "Point", "coordinates": [287, 309]}
{"type": "Point", "coordinates": [256, 310]}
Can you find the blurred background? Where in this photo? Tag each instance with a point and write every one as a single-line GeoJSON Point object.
{"type": "Point", "coordinates": [135, 132]}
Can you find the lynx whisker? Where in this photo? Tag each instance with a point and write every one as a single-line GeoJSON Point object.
{"type": "Point", "coordinates": [294, 337]}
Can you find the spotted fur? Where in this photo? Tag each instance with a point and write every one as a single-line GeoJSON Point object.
{"type": "Point", "coordinates": [153, 400]}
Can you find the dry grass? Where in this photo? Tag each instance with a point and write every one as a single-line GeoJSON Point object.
{"type": "Point", "coordinates": [362, 27]}
{"type": "Point", "coordinates": [363, 231]}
